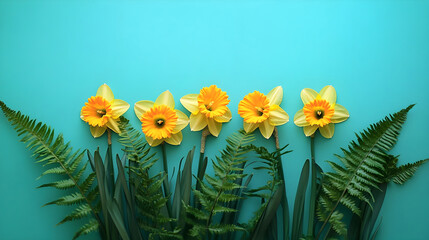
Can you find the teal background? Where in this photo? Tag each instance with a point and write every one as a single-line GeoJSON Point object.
{"type": "Point", "coordinates": [55, 54]}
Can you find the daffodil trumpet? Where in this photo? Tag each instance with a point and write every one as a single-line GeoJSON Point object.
{"type": "Point", "coordinates": [208, 111]}
{"type": "Point", "coordinates": [263, 111]}
{"type": "Point", "coordinates": [102, 112]}
{"type": "Point", "coordinates": [320, 111]}
{"type": "Point", "coordinates": [160, 121]}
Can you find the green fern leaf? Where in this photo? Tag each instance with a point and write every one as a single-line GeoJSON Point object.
{"type": "Point", "coordinates": [403, 173]}
{"type": "Point", "coordinates": [50, 150]}
{"type": "Point", "coordinates": [364, 161]}
{"type": "Point", "coordinates": [80, 212]}
{"type": "Point", "coordinates": [219, 191]}
{"type": "Point", "coordinates": [91, 226]}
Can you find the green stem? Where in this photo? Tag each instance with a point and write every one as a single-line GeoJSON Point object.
{"type": "Point", "coordinates": [109, 136]}
{"type": "Point", "coordinates": [165, 182]}
{"type": "Point", "coordinates": [311, 213]}
{"type": "Point", "coordinates": [327, 234]}
{"type": "Point", "coordinates": [284, 202]}
{"type": "Point", "coordinates": [200, 173]}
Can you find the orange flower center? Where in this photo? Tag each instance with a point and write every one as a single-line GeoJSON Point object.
{"type": "Point", "coordinates": [97, 111]}
{"type": "Point", "coordinates": [159, 122]}
{"type": "Point", "coordinates": [212, 101]}
{"type": "Point", "coordinates": [254, 108]}
{"type": "Point", "coordinates": [318, 112]}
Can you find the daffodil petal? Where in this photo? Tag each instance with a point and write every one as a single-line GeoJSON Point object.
{"type": "Point", "coordinates": [329, 93]}
{"type": "Point", "coordinates": [226, 117]}
{"type": "Point", "coordinates": [97, 131]}
{"type": "Point", "coordinates": [112, 124]}
{"type": "Point", "coordinates": [105, 92]}
{"type": "Point", "coordinates": [165, 98]}
{"type": "Point", "coordinates": [278, 116]}
{"type": "Point", "coordinates": [266, 129]}
{"type": "Point", "coordinates": [141, 107]}
{"type": "Point", "coordinates": [214, 127]}
{"type": "Point", "coordinates": [181, 122]}
{"type": "Point", "coordinates": [198, 122]}
{"type": "Point", "coordinates": [190, 102]}
{"type": "Point", "coordinates": [299, 119]}
{"type": "Point", "coordinates": [308, 95]}
{"type": "Point", "coordinates": [340, 114]}
{"type": "Point", "coordinates": [309, 130]}
{"type": "Point", "coordinates": [328, 130]}
{"type": "Point", "coordinates": [153, 142]}
{"type": "Point", "coordinates": [275, 96]}
{"type": "Point", "coordinates": [81, 114]}
{"type": "Point", "coordinates": [250, 127]}
{"type": "Point", "coordinates": [119, 107]}
{"type": "Point", "coordinates": [175, 139]}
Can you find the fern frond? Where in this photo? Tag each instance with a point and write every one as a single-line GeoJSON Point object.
{"type": "Point", "coordinates": [51, 150]}
{"type": "Point", "coordinates": [135, 146]}
{"type": "Point", "coordinates": [219, 191]}
{"type": "Point", "coordinates": [403, 173]}
{"type": "Point", "coordinates": [364, 161]}
{"type": "Point", "coordinates": [89, 227]}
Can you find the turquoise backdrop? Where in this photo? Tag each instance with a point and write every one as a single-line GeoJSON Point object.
{"type": "Point", "coordinates": [55, 54]}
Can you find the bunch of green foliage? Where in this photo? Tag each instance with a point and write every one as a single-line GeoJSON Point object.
{"type": "Point", "coordinates": [134, 203]}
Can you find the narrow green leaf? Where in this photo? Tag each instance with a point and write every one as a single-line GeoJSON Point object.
{"type": "Point", "coordinates": [371, 214]}
{"type": "Point", "coordinates": [298, 211]}
{"type": "Point", "coordinates": [100, 172]}
{"type": "Point", "coordinates": [118, 219]}
{"type": "Point", "coordinates": [269, 214]}
{"type": "Point", "coordinates": [109, 172]}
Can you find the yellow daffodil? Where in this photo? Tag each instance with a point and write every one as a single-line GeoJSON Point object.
{"type": "Point", "coordinates": [160, 121]}
{"type": "Point", "coordinates": [320, 111]}
{"type": "Point", "coordinates": [263, 111]}
{"type": "Point", "coordinates": [209, 108]}
{"type": "Point", "coordinates": [103, 111]}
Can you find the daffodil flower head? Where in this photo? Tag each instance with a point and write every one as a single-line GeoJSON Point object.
{"type": "Point", "coordinates": [263, 111]}
{"type": "Point", "coordinates": [320, 111]}
{"type": "Point", "coordinates": [208, 109]}
{"type": "Point", "coordinates": [160, 121]}
{"type": "Point", "coordinates": [102, 111]}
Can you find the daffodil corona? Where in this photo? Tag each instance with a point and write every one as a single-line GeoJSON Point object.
{"type": "Point", "coordinates": [103, 111]}
{"type": "Point", "coordinates": [263, 111]}
{"type": "Point", "coordinates": [160, 121]}
{"type": "Point", "coordinates": [208, 109]}
{"type": "Point", "coordinates": [320, 111]}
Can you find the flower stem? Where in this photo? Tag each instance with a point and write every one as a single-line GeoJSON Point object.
{"type": "Point", "coordinates": [109, 136]}
{"type": "Point", "coordinates": [204, 135]}
{"type": "Point", "coordinates": [311, 213]}
{"type": "Point", "coordinates": [165, 182]}
{"type": "Point", "coordinates": [284, 202]}
{"type": "Point", "coordinates": [201, 163]}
